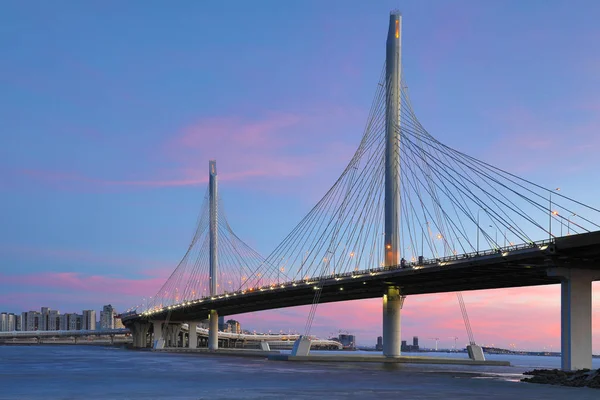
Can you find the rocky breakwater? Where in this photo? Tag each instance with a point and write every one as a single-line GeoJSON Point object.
{"type": "Point", "coordinates": [581, 378]}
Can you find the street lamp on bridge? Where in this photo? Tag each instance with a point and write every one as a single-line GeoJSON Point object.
{"type": "Point", "coordinates": [550, 213]}
{"type": "Point", "coordinates": [569, 223]}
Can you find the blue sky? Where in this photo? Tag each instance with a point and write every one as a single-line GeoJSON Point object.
{"type": "Point", "coordinates": [109, 114]}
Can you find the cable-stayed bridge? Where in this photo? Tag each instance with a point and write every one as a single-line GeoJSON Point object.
{"type": "Point", "coordinates": [408, 215]}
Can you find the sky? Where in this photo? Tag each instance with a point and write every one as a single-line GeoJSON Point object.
{"type": "Point", "coordinates": [109, 113]}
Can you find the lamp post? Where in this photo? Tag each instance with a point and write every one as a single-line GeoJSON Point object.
{"type": "Point", "coordinates": [496, 239]}
{"type": "Point", "coordinates": [569, 223]}
{"type": "Point", "coordinates": [550, 215]}
{"type": "Point", "coordinates": [423, 237]}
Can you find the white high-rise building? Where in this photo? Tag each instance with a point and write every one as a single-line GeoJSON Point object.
{"type": "Point", "coordinates": [3, 322]}
{"type": "Point", "coordinates": [88, 322]}
{"type": "Point", "coordinates": [107, 317]}
{"type": "Point", "coordinates": [11, 325]}
{"type": "Point", "coordinates": [43, 323]}
{"type": "Point", "coordinates": [33, 320]}
{"type": "Point", "coordinates": [63, 322]}
{"type": "Point", "coordinates": [53, 320]}
{"type": "Point", "coordinates": [24, 326]}
{"type": "Point", "coordinates": [74, 322]}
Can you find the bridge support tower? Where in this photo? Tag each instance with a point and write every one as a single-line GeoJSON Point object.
{"type": "Point", "coordinates": [392, 298]}
{"type": "Point", "coordinates": [576, 316]}
{"type": "Point", "coordinates": [213, 203]}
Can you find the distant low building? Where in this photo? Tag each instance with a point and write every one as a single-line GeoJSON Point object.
{"type": "Point", "coordinates": [233, 326]}
{"type": "Point", "coordinates": [410, 347]}
{"type": "Point", "coordinates": [347, 341]}
{"type": "Point", "coordinates": [379, 345]}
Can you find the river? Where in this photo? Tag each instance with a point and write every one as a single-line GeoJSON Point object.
{"type": "Point", "coordinates": [95, 372]}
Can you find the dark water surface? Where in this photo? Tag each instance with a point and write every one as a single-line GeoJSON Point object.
{"type": "Point", "coordinates": [90, 372]}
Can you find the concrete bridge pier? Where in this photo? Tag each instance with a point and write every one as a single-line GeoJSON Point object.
{"type": "Point", "coordinates": [158, 341]}
{"type": "Point", "coordinates": [392, 312]}
{"type": "Point", "coordinates": [172, 335]}
{"type": "Point", "coordinates": [192, 335]}
{"type": "Point", "coordinates": [213, 330]}
{"type": "Point", "coordinates": [576, 316]}
{"type": "Point", "coordinates": [139, 331]}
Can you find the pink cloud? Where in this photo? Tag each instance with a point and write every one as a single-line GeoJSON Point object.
{"type": "Point", "coordinates": [62, 290]}
{"type": "Point", "coordinates": [276, 146]}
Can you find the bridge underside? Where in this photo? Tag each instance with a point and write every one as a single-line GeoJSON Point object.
{"type": "Point", "coordinates": [506, 269]}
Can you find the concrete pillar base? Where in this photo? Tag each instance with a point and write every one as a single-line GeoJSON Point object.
{"type": "Point", "coordinates": [192, 335]}
{"type": "Point", "coordinates": [576, 316]}
{"type": "Point", "coordinates": [158, 342]}
{"type": "Point", "coordinates": [139, 332]}
{"type": "Point", "coordinates": [392, 308]}
{"type": "Point", "coordinates": [264, 346]}
{"type": "Point", "coordinates": [475, 352]}
{"type": "Point", "coordinates": [301, 346]}
{"type": "Point", "coordinates": [213, 331]}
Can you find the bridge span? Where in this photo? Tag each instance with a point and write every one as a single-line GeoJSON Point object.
{"type": "Point", "coordinates": [407, 216]}
{"type": "Point", "coordinates": [515, 266]}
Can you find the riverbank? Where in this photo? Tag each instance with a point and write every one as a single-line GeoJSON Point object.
{"type": "Point", "coordinates": [581, 378]}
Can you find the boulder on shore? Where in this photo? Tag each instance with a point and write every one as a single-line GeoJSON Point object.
{"type": "Point", "coordinates": [581, 378]}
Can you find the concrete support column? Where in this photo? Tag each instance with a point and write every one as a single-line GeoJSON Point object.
{"type": "Point", "coordinates": [134, 336]}
{"type": "Point", "coordinates": [576, 316]}
{"type": "Point", "coordinates": [192, 335]}
{"type": "Point", "coordinates": [392, 306]}
{"type": "Point", "coordinates": [143, 333]}
{"type": "Point", "coordinates": [139, 331]}
{"type": "Point", "coordinates": [176, 332]}
{"type": "Point", "coordinates": [213, 330]}
{"type": "Point", "coordinates": [159, 341]}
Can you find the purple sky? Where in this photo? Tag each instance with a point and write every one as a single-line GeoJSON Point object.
{"type": "Point", "coordinates": [110, 112]}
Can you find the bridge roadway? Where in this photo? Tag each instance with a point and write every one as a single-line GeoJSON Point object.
{"type": "Point", "coordinates": [513, 266]}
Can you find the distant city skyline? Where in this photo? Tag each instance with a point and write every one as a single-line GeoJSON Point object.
{"type": "Point", "coordinates": [48, 319]}
{"type": "Point", "coordinates": [107, 134]}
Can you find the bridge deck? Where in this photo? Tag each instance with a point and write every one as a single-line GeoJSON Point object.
{"type": "Point", "coordinates": [510, 267]}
